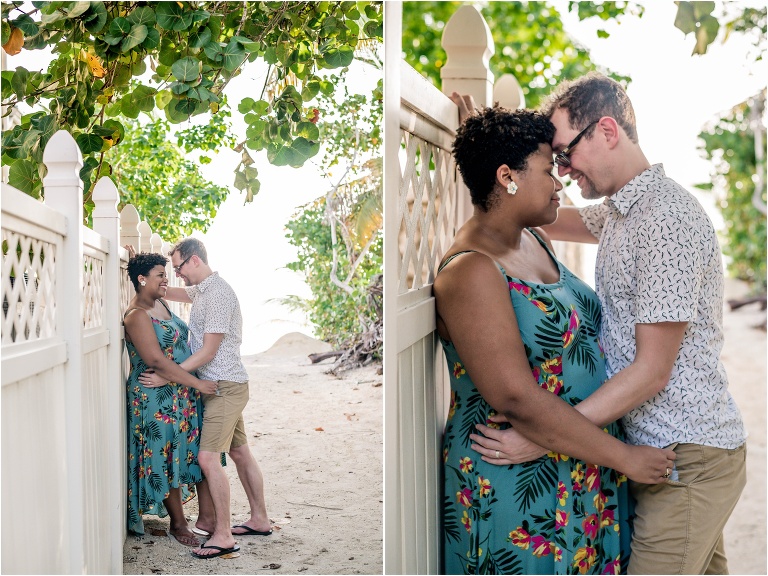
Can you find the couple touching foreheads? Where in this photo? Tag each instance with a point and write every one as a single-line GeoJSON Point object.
{"type": "Point", "coordinates": [560, 397]}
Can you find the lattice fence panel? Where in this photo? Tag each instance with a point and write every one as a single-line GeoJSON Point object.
{"type": "Point", "coordinates": [93, 292]}
{"type": "Point", "coordinates": [28, 288]}
{"type": "Point", "coordinates": [426, 211]}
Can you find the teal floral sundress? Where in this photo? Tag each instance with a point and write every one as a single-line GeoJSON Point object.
{"type": "Point", "coordinates": [554, 515]}
{"type": "Point", "coordinates": [163, 430]}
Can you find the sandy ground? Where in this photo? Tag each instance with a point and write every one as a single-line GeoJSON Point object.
{"type": "Point", "coordinates": [744, 356]}
{"type": "Point", "coordinates": [318, 441]}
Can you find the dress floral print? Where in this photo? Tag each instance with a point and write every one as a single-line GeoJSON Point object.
{"type": "Point", "coordinates": [163, 431]}
{"type": "Point", "coordinates": [554, 515]}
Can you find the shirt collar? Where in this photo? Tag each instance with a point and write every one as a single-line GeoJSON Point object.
{"type": "Point", "coordinates": [631, 192]}
{"type": "Point", "coordinates": [205, 284]}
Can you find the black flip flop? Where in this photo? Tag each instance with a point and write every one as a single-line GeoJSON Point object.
{"type": "Point", "coordinates": [250, 531]}
{"type": "Point", "coordinates": [221, 551]}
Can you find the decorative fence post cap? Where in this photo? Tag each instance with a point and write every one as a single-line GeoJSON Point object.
{"type": "Point", "coordinates": [468, 45]}
{"type": "Point", "coordinates": [105, 198]}
{"type": "Point", "coordinates": [62, 148]}
{"type": "Point", "coordinates": [508, 93]}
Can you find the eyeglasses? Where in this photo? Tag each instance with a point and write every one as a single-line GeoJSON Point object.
{"type": "Point", "coordinates": [563, 158]}
{"type": "Point", "coordinates": [178, 268]}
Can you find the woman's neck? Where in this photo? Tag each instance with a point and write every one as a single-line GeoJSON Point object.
{"type": "Point", "coordinates": [145, 302]}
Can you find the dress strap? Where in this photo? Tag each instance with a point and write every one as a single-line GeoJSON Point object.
{"type": "Point", "coordinates": [452, 256]}
{"type": "Point", "coordinates": [166, 307]}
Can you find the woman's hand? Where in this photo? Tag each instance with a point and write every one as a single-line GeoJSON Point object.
{"type": "Point", "coordinates": [648, 465]}
{"type": "Point", "coordinates": [505, 447]}
{"type": "Point", "coordinates": [150, 379]}
{"type": "Point", "coordinates": [209, 387]}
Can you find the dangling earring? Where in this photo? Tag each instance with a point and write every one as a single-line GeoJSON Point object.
{"type": "Point", "coordinates": [143, 282]}
{"type": "Point", "coordinates": [511, 188]}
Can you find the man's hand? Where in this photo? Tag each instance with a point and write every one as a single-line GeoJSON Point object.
{"type": "Point", "coordinates": [510, 446]}
{"type": "Point", "coordinates": [131, 250]}
{"type": "Point", "coordinates": [466, 105]}
{"type": "Point", "coordinates": [150, 379]}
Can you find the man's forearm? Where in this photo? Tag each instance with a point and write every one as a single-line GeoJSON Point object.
{"type": "Point", "coordinates": [617, 396]}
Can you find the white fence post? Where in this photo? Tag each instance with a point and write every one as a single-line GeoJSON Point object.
{"type": "Point", "coordinates": [129, 226]}
{"type": "Point", "coordinates": [468, 46]}
{"type": "Point", "coordinates": [508, 93]}
{"type": "Point", "coordinates": [145, 235]}
{"type": "Point", "coordinates": [156, 243]}
{"type": "Point", "coordinates": [106, 222]}
{"type": "Point", "coordinates": [64, 193]}
{"type": "Point", "coordinates": [394, 529]}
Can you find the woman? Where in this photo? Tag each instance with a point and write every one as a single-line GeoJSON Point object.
{"type": "Point", "coordinates": [164, 422]}
{"type": "Point", "coordinates": [567, 511]}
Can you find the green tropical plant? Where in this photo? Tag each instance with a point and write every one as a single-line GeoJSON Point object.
{"type": "Point", "coordinates": [153, 173]}
{"type": "Point", "coordinates": [338, 236]}
{"type": "Point", "coordinates": [729, 145]}
{"type": "Point", "coordinates": [115, 60]}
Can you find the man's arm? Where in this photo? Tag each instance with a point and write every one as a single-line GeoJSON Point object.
{"type": "Point", "coordinates": [569, 227]}
{"type": "Point", "coordinates": [657, 346]}
{"type": "Point", "coordinates": [211, 343]}
{"type": "Point", "coordinates": [177, 295]}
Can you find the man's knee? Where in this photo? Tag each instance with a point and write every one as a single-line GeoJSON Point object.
{"type": "Point", "coordinates": [209, 461]}
{"type": "Point", "coordinates": [240, 454]}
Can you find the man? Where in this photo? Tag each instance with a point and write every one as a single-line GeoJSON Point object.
{"type": "Point", "coordinates": [659, 278]}
{"type": "Point", "coordinates": [215, 335]}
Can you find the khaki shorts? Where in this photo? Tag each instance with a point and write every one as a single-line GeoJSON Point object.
{"type": "Point", "coordinates": [679, 524]}
{"type": "Point", "coordinates": [223, 426]}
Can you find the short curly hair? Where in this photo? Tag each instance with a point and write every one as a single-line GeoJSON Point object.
{"type": "Point", "coordinates": [496, 136]}
{"type": "Point", "coordinates": [141, 264]}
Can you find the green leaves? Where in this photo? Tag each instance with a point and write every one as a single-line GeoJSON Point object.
{"type": "Point", "coordinates": [99, 77]}
{"type": "Point", "coordinates": [171, 16]}
{"type": "Point", "coordinates": [697, 17]}
{"type": "Point", "coordinates": [187, 69]}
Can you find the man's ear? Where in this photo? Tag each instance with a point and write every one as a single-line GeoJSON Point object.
{"type": "Point", "coordinates": [610, 130]}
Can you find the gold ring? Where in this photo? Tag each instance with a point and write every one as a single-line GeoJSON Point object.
{"type": "Point", "coordinates": [666, 475]}
{"type": "Point", "coordinates": [497, 454]}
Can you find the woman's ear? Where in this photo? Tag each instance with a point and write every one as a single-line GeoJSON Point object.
{"type": "Point", "coordinates": [504, 175]}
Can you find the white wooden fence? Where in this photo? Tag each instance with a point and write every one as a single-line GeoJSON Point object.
{"type": "Point", "coordinates": [425, 204]}
{"type": "Point", "coordinates": [64, 288]}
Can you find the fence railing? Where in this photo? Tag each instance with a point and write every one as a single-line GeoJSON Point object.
{"type": "Point", "coordinates": [64, 289]}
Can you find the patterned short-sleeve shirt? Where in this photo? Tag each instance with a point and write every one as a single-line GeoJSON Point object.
{"type": "Point", "coordinates": [659, 261]}
{"type": "Point", "coordinates": [216, 310]}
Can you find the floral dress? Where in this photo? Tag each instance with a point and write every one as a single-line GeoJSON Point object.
{"type": "Point", "coordinates": [554, 515]}
{"type": "Point", "coordinates": [163, 431]}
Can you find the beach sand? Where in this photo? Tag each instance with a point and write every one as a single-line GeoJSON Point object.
{"type": "Point", "coordinates": [744, 356]}
{"type": "Point", "coordinates": [318, 441]}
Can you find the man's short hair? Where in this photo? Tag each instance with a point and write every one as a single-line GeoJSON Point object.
{"type": "Point", "coordinates": [190, 247]}
{"type": "Point", "coordinates": [589, 98]}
